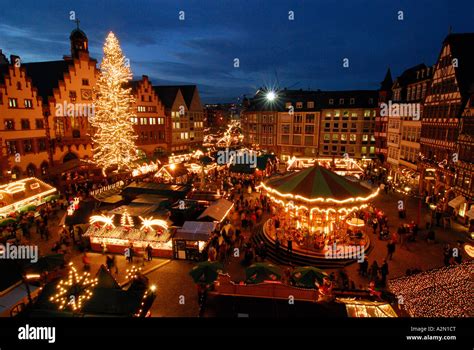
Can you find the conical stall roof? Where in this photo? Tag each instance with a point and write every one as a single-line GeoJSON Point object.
{"type": "Point", "coordinates": [318, 184]}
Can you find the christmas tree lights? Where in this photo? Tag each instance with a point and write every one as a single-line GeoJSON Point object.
{"type": "Point", "coordinates": [114, 136]}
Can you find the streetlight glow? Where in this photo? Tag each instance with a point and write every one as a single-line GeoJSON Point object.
{"type": "Point", "coordinates": [271, 96]}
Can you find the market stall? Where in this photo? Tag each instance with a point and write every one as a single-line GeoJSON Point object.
{"type": "Point", "coordinates": [190, 240]}
{"type": "Point", "coordinates": [24, 194]}
{"type": "Point", "coordinates": [130, 226]}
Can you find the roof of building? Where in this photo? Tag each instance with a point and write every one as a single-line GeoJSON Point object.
{"type": "Point", "coordinates": [4, 71]}
{"type": "Point", "coordinates": [46, 76]}
{"type": "Point", "coordinates": [321, 99]}
{"type": "Point", "coordinates": [462, 48]}
{"type": "Point", "coordinates": [410, 75]}
{"type": "Point", "coordinates": [386, 84]}
{"type": "Point", "coordinates": [167, 94]}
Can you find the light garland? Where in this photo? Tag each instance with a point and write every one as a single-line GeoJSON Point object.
{"type": "Point", "coordinates": [290, 205]}
{"type": "Point", "coordinates": [75, 290]}
{"type": "Point", "coordinates": [319, 199]}
{"type": "Point", "coordinates": [443, 292]}
{"type": "Point", "coordinates": [133, 272]}
{"type": "Point", "coordinates": [114, 137]}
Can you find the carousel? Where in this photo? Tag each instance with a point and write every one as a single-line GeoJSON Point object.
{"type": "Point", "coordinates": [317, 208]}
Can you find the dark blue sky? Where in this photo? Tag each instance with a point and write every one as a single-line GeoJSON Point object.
{"type": "Point", "coordinates": [304, 53]}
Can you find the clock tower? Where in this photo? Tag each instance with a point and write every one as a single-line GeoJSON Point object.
{"type": "Point", "coordinates": [79, 41]}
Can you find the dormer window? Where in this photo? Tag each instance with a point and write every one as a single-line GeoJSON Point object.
{"type": "Point", "coordinates": [299, 105]}
{"type": "Point", "coordinates": [341, 101]}
{"type": "Point", "coordinates": [352, 101]}
{"type": "Point", "coordinates": [331, 101]}
{"type": "Point", "coordinates": [310, 104]}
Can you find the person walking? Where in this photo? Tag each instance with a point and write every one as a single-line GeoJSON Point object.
{"type": "Point", "coordinates": [289, 248]}
{"type": "Point", "coordinates": [149, 252]}
{"type": "Point", "coordinates": [390, 249]}
{"type": "Point", "coordinates": [374, 271]}
{"type": "Point", "coordinates": [277, 247]}
{"type": "Point", "coordinates": [384, 272]}
{"type": "Point", "coordinates": [364, 265]}
{"type": "Point", "coordinates": [447, 254]}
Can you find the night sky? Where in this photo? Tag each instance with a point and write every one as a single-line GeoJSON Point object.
{"type": "Point", "coordinates": [273, 51]}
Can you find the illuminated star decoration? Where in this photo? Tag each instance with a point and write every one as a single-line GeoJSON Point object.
{"type": "Point", "coordinates": [107, 220]}
{"type": "Point", "coordinates": [73, 291]}
{"type": "Point", "coordinates": [149, 222]}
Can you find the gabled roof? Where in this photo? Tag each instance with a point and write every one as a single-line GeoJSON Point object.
{"type": "Point", "coordinates": [46, 76]}
{"type": "Point", "coordinates": [409, 76]}
{"type": "Point", "coordinates": [386, 84]}
{"type": "Point", "coordinates": [167, 94]}
{"type": "Point", "coordinates": [4, 71]}
{"type": "Point", "coordinates": [188, 93]}
{"type": "Point", "coordinates": [462, 48]}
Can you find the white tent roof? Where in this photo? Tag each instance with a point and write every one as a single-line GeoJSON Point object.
{"type": "Point", "coordinates": [456, 202]}
{"type": "Point", "coordinates": [217, 210]}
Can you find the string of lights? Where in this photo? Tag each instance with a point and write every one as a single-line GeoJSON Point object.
{"type": "Point", "coordinates": [443, 292]}
{"type": "Point", "coordinates": [73, 291]}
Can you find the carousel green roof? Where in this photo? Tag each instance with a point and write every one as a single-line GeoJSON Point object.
{"type": "Point", "coordinates": [319, 183]}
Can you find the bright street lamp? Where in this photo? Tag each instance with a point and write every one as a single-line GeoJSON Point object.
{"type": "Point", "coordinates": [271, 96]}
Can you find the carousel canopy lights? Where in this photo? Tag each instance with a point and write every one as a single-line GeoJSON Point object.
{"type": "Point", "coordinates": [318, 184]}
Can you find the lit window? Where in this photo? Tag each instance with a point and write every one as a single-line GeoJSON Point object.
{"type": "Point", "coordinates": [28, 103]}
{"type": "Point", "coordinates": [12, 103]}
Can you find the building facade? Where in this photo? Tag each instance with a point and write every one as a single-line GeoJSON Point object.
{"type": "Point", "coordinates": [312, 123]}
{"type": "Point", "coordinates": [381, 122]}
{"type": "Point", "coordinates": [448, 96]}
{"type": "Point", "coordinates": [183, 108]}
{"type": "Point", "coordinates": [24, 144]}
{"type": "Point", "coordinates": [151, 123]}
{"type": "Point", "coordinates": [348, 123]}
{"type": "Point", "coordinates": [45, 109]}
{"type": "Point", "coordinates": [404, 124]}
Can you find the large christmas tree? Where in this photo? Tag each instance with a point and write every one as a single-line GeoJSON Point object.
{"type": "Point", "coordinates": [114, 136]}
